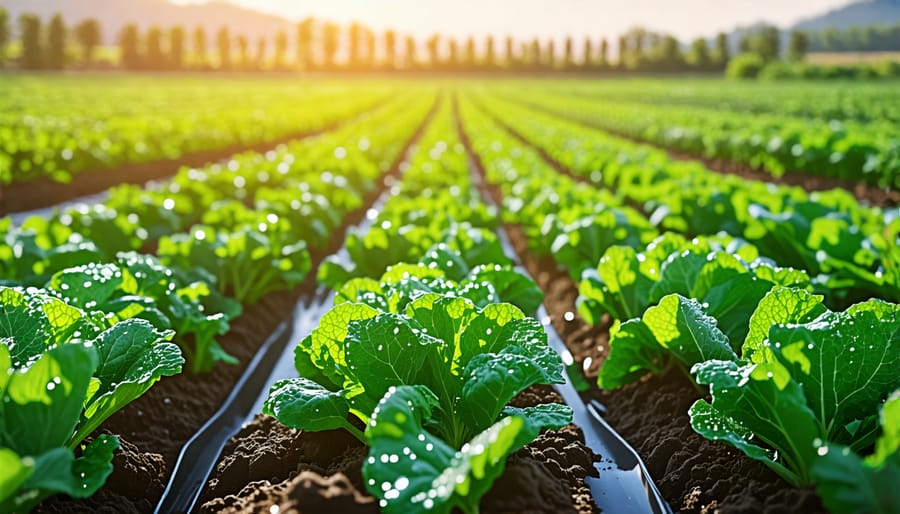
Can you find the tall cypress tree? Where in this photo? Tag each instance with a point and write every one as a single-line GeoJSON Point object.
{"type": "Point", "coordinates": [32, 53]}
{"type": "Point", "coordinates": [56, 43]}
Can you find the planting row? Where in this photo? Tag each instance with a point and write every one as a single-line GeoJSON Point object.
{"type": "Point", "coordinates": [866, 151]}
{"type": "Point", "coordinates": [844, 246]}
{"type": "Point", "coordinates": [422, 355]}
{"type": "Point", "coordinates": [808, 391]}
{"type": "Point", "coordinates": [842, 101]}
{"type": "Point", "coordinates": [88, 124]}
{"type": "Point", "coordinates": [94, 338]}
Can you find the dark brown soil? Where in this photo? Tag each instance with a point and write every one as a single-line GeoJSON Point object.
{"type": "Point", "coordinates": [873, 195]}
{"type": "Point", "coordinates": [269, 464]}
{"type": "Point", "coordinates": [694, 475]}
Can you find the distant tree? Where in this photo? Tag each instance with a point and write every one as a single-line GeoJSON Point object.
{"type": "Point", "coordinates": [471, 59]}
{"type": "Point", "coordinates": [156, 59]}
{"type": "Point", "coordinates": [699, 56]}
{"type": "Point", "coordinates": [56, 43]}
{"type": "Point", "coordinates": [243, 46]}
{"type": "Point", "coordinates": [4, 34]}
{"type": "Point", "coordinates": [200, 46]}
{"type": "Point", "coordinates": [764, 42]}
{"type": "Point", "coordinates": [550, 55]}
{"type": "Point", "coordinates": [767, 43]}
{"type": "Point", "coordinates": [281, 44]}
{"type": "Point", "coordinates": [537, 56]}
{"type": "Point", "coordinates": [410, 60]}
{"type": "Point", "coordinates": [490, 57]}
{"type": "Point", "coordinates": [390, 49]}
{"type": "Point", "coordinates": [370, 48]}
{"type": "Point", "coordinates": [799, 46]}
{"type": "Point", "coordinates": [622, 50]}
{"type": "Point", "coordinates": [331, 42]}
{"type": "Point", "coordinates": [177, 37]}
{"type": "Point", "coordinates": [129, 41]}
{"type": "Point", "coordinates": [604, 53]}
{"type": "Point", "coordinates": [587, 59]}
{"type": "Point", "coordinates": [356, 42]}
{"type": "Point", "coordinates": [433, 45]}
{"type": "Point", "coordinates": [88, 35]}
{"type": "Point", "coordinates": [32, 54]}
{"type": "Point", "coordinates": [259, 62]}
{"type": "Point", "coordinates": [569, 53]}
{"type": "Point", "coordinates": [670, 57]}
{"type": "Point", "coordinates": [510, 54]}
{"type": "Point", "coordinates": [305, 43]}
{"type": "Point", "coordinates": [454, 58]}
{"type": "Point", "coordinates": [722, 53]}
{"type": "Point", "coordinates": [223, 45]}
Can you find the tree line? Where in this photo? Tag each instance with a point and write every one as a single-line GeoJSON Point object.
{"type": "Point", "coordinates": [873, 38]}
{"type": "Point", "coordinates": [317, 45]}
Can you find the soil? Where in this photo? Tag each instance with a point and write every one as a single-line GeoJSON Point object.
{"type": "Point", "coordinates": [695, 475]}
{"type": "Point", "coordinates": [872, 195]}
{"type": "Point", "coordinates": [269, 464]}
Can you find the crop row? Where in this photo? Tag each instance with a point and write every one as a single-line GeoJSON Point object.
{"type": "Point", "coordinates": [48, 131]}
{"type": "Point", "coordinates": [842, 244]}
{"type": "Point", "coordinates": [95, 335]}
{"type": "Point", "coordinates": [853, 150]}
{"type": "Point", "coordinates": [824, 101]}
{"type": "Point", "coordinates": [421, 346]}
{"type": "Point", "coordinates": [808, 391]}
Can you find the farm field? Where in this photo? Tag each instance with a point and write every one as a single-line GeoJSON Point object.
{"type": "Point", "coordinates": [448, 295]}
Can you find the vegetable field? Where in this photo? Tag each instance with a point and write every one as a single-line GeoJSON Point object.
{"type": "Point", "coordinates": [435, 295]}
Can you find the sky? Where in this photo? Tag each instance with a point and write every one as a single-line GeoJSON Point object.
{"type": "Point", "coordinates": [547, 18]}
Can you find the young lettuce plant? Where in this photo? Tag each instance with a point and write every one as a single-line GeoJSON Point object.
{"type": "Point", "coordinates": [810, 383]}
{"type": "Point", "coordinates": [484, 285]}
{"type": "Point", "coordinates": [461, 365]}
{"type": "Point", "coordinates": [246, 263]}
{"type": "Point", "coordinates": [138, 286]}
{"type": "Point", "coordinates": [66, 375]}
{"type": "Point", "coordinates": [717, 292]}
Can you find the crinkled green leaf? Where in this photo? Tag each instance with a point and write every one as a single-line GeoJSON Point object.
{"type": "Point", "coordinates": [49, 394]}
{"type": "Point", "coordinates": [133, 356]}
{"type": "Point", "coordinates": [681, 327]}
{"type": "Point", "coordinates": [303, 404]}
{"type": "Point", "coordinates": [411, 470]}
{"type": "Point", "coordinates": [633, 352]}
{"type": "Point", "coordinates": [847, 364]}
{"type": "Point", "coordinates": [766, 402]}
{"type": "Point", "coordinates": [386, 350]}
{"type": "Point", "coordinates": [780, 305]}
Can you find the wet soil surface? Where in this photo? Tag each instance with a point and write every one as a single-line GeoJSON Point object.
{"type": "Point", "coordinates": [268, 464]}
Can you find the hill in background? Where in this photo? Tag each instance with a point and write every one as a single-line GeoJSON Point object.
{"type": "Point", "coordinates": [866, 12]}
